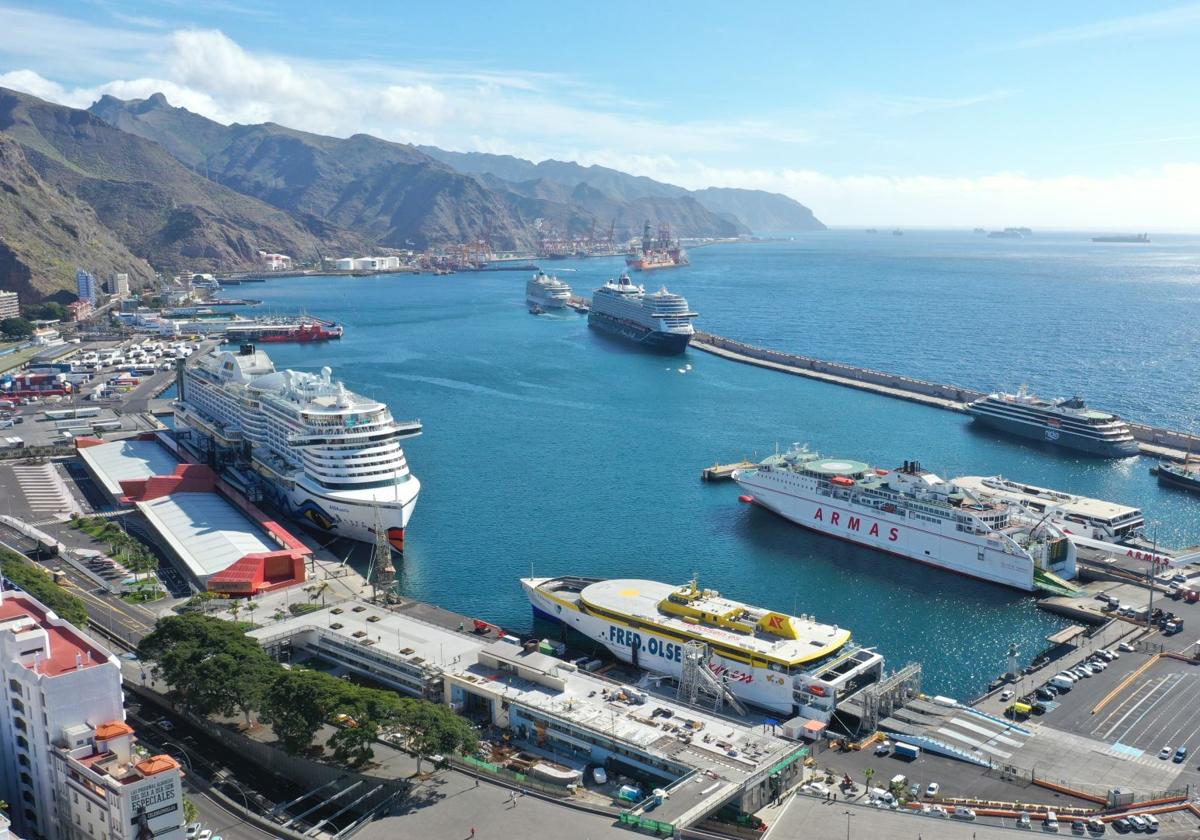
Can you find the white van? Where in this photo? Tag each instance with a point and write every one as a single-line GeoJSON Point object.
{"type": "Point", "coordinates": [1050, 824]}
{"type": "Point", "coordinates": [1062, 681]}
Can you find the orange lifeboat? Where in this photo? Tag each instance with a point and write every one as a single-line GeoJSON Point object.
{"type": "Point", "coordinates": [843, 481]}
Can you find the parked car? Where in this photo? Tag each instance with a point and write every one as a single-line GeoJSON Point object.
{"type": "Point", "coordinates": [1181, 754]}
{"type": "Point", "coordinates": [1123, 825]}
{"type": "Point", "coordinates": [1165, 753]}
{"type": "Point", "coordinates": [961, 813]}
{"type": "Point", "coordinates": [1078, 827]}
{"type": "Point", "coordinates": [192, 830]}
{"type": "Point", "coordinates": [1136, 823]}
{"type": "Point", "coordinates": [1125, 646]}
{"type": "Point", "coordinates": [1151, 822]}
{"type": "Point", "coordinates": [932, 789]}
{"type": "Point", "coordinates": [1097, 826]}
{"type": "Point", "coordinates": [1007, 695]}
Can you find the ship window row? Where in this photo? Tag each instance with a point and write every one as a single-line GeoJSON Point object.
{"type": "Point", "coordinates": [353, 463]}
{"type": "Point", "coordinates": [361, 485]}
{"type": "Point", "coordinates": [318, 472]}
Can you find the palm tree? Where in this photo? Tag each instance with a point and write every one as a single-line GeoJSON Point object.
{"type": "Point", "coordinates": [320, 589]}
{"type": "Point", "coordinates": [279, 615]}
{"type": "Point", "coordinates": [235, 607]}
{"type": "Point", "coordinates": [250, 608]}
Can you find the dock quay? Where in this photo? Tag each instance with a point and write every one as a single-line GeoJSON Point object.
{"type": "Point", "coordinates": [723, 472]}
{"type": "Point", "coordinates": [1153, 441]}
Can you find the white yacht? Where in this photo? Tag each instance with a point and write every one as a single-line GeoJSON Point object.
{"type": "Point", "coordinates": [328, 456]}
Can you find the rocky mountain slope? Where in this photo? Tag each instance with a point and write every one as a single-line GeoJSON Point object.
{"type": "Point", "coordinates": [162, 211]}
{"type": "Point", "coordinates": [756, 210]}
{"type": "Point", "coordinates": [45, 234]}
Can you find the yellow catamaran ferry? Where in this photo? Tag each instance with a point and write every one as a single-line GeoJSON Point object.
{"type": "Point", "coordinates": [794, 665]}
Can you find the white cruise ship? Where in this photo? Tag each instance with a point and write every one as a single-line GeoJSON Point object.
{"type": "Point", "coordinates": [916, 514]}
{"type": "Point", "coordinates": [328, 456]}
{"type": "Point", "coordinates": [794, 665]}
{"type": "Point", "coordinates": [546, 292]}
{"type": "Point", "coordinates": [659, 321]}
{"type": "Point", "coordinates": [1069, 424]}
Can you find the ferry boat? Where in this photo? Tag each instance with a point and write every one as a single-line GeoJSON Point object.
{"type": "Point", "coordinates": [1078, 516]}
{"type": "Point", "coordinates": [276, 331]}
{"type": "Point", "coordinates": [660, 321]}
{"type": "Point", "coordinates": [794, 665]}
{"type": "Point", "coordinates": [915, 514]}
{"type": "Point", "coordinates": [329, 457]}
{"type": "Point", "coordinates": [1066, 423]}
{"type": "Point", "coordinates": [1128, 238]}
{"type": "Point", "coordinates": [1183, 476]}
{"type": "Point", "coordinates": [545, 292]}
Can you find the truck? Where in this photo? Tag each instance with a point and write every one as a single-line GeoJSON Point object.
{"type": "Point", "coordinates": [908, 751]}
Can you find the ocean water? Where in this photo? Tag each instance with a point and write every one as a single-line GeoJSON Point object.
{"type": "Point", "coordinates": [548, 448]}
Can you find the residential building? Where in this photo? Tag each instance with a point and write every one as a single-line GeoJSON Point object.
{"type": "Point", "coordinates": [69, 768]}
{"type": "Point", "coordinates": [10, 305]}
{"type": "Point", "coordinates": [87, 287]}
{"type": "Point", "coordinates": [119, 285]}
{"type": "Point", "coordinates": [80, 310]}
{"type": "Point", "coordinates": [276, 262]}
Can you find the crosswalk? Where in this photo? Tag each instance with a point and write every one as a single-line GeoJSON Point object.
{"type": "Point", "coordinates": [44, 489]}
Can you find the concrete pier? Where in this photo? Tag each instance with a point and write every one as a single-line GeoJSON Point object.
{"type": "Point", "coordinates": [1153, 441]}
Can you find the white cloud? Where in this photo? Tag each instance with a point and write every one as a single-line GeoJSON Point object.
{"type": "Point", "coordinates": [1149, 23]}
{"type": "Point", "coordinates": [541, 115]}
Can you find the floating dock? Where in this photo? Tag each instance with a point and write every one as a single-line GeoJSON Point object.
{"type": "Point", "coordinates": [724, 472]}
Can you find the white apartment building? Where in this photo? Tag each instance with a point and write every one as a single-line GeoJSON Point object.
{"type": "Point", "coordinates": [10, 305]}
{"type": "Point", "coordinates": [120, 285]}
{"type": "Point", "coordinates": [68, 766]}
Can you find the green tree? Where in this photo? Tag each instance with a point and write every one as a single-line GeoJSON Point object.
{"type": "Point", "coordinates": [16, 328]}
{"type": "Point", "coordinates": [296, 704]}
{"type": "Point", "coordinates": [211, 666]}
{"type": "Point", "coordinates": [190, 811]}
{"type": "Point", "coordinates": [140, 561]}
{"type": "Point", "coordinates": [38, 583]}
{"type": "Point", "coordinates": [250, 608]}
{"type": "Point", "coordinates": [352, 745]}
{"type": "Point", "coordinates": [235, 607]}
{"type": "Point", "coordinates": [435, 729]}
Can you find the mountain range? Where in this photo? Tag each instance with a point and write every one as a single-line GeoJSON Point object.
{"type": "Point", "coordinates": [127, 185]}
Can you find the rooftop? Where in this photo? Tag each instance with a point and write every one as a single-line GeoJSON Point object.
{"type": "Point", "coordinates": [1025, 493]}
{"type": "Point", "coordinates": [205, 530]}
{"type": "Point", "coordinates": [69, 649]}
{"type": "Point", "coordinates": [123, 460]}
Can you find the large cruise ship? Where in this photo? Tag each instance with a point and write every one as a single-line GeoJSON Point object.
{"type": "Point", "coordinates": [1067, 423]}
{"type": "Point", "coordinates": [659, 321]}
{"type": "Point", "coordinates": [327, 456]}
{"type": "Point", "coordinates": [916, 514]}
{"type": "Point", "coordinates": [546, 292]}
{"type": "Point", "coordinates": [788, 664]}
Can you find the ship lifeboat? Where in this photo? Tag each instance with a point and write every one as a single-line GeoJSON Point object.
{"type": "Point", "coordinates": [746, 499]}
{"type": "Point", "coordinates": [818, 690]}
{"type": "Point", "coordinates": [889, 508]}
{"type": "Point", "coordinates": [843, 481]}
{"type": "Point", "coordinates": [882, 472]}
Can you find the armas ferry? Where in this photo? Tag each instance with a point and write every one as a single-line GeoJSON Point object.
{"type": "Point", "coordinates": [795, 666]}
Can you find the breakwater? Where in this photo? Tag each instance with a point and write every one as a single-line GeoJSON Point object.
{"type": "Point", "coordinates": [1153, 441]}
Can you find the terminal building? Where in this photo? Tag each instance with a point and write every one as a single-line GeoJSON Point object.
{"type": "Point", "coordinates": [696, 761]}
{"type": "Point", "coordinates": [69, 764]}
{"type": "Point", "coordinates": [222, 542]}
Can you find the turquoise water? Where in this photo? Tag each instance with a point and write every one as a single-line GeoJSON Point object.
{"type": "Point", "coordinates": [549, 448]}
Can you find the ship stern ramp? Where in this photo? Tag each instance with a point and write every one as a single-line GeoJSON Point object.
{"type": "Point", "coordinates": [955, 731]}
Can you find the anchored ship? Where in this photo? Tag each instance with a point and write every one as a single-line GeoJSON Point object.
{"type": "Point", "coordinates": [279, 330]}
{"type": "Point", "coordinates": [660, 321]}
{"type": "Point", "coordinates": [546, 292]}
{"type": "Point", "coordinates": [1130, 238]}
{"type": "Point", "coordinates": [661, 253]}
{"type": "Point", "coordinates": [788, 664]}
{"type": "Point", "coordinates": [329, 457]}
{"type": "Point", "coordinates": [1185, 476]}
{"type": "Point", "coordinates": [1079, 516]}
{"type": "Point", "coordinates": [1066, 423]}
{"type": "Point", "coordinates": [915, 514]}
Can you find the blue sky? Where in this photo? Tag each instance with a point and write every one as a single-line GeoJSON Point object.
{"type": "Point", "coordinates": [1060, 115]}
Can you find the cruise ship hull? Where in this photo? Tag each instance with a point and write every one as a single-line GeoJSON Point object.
{"type": "Point", "coordinates": [352, 520]}
{"type": "Point", "coordinates": [1063, 438]}
{"type": "Point", "coordinates": [653, 340]}
{"type": "Point", "coordinates": [545, 302]}
{"type": "Point", "coordinates": [893, 533]}
{"type": "Point", "coordinates": [660, 653]}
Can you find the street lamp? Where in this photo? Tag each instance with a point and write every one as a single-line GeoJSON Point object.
{"type": "Point", "coordinates": [848, 816]}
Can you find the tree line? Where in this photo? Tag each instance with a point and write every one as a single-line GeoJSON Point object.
{"type": "Point", "coordinates": [40, 584]}
{"type": "Point", "coordinates": [214, 668]}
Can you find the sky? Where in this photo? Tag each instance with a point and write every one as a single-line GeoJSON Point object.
{"type": "Point", "coordinates": [1066, 115]}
